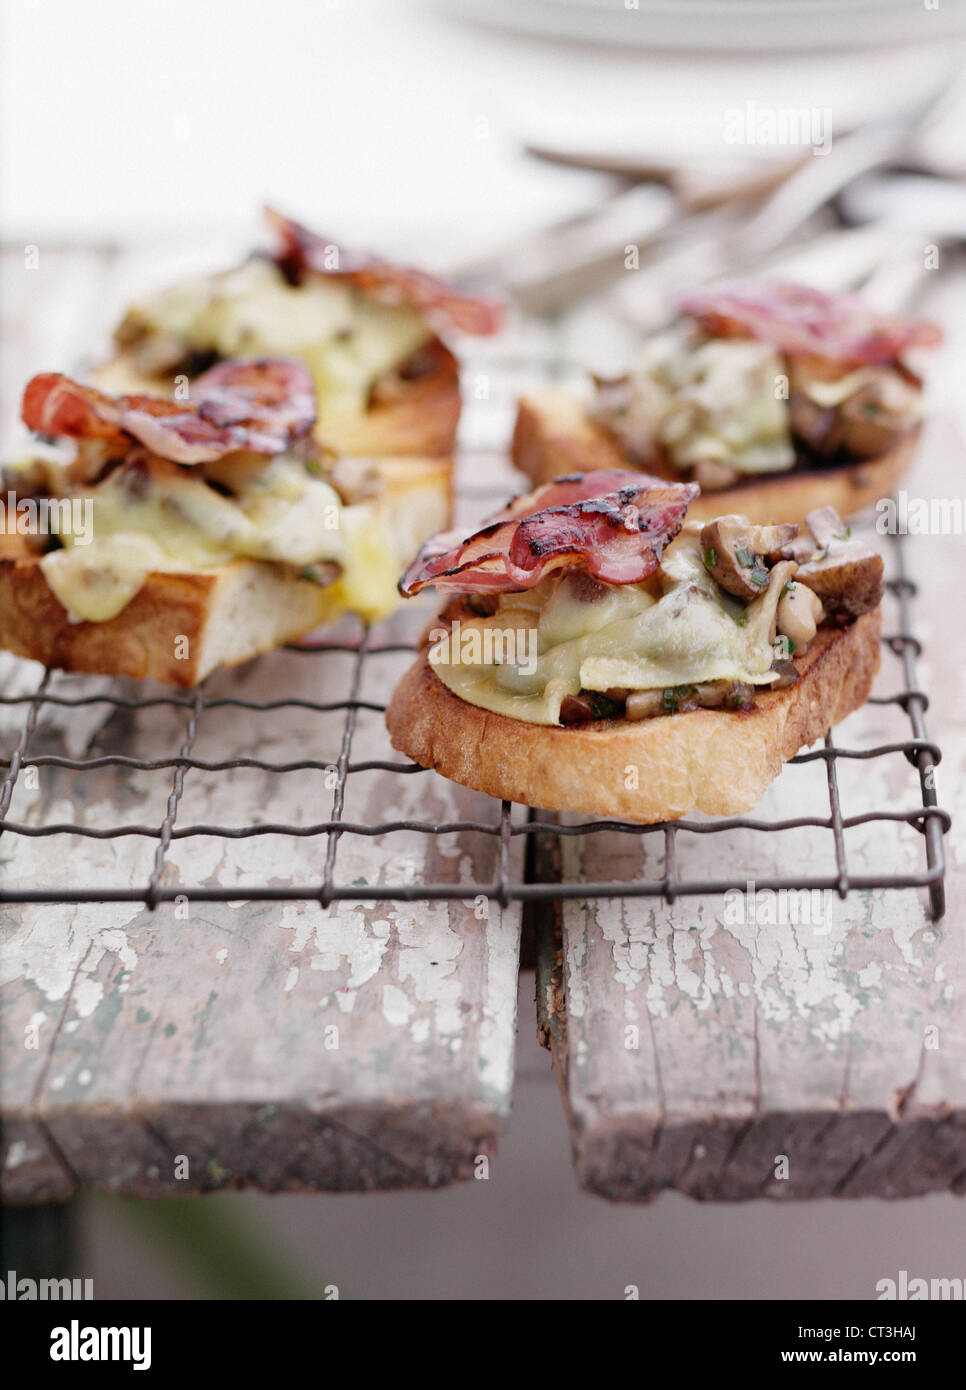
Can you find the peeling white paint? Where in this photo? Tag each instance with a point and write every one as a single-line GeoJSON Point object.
{"type": "Point", "coordinates": [43, 951]}
{"type": "Point", "coordinates": [427, 963]}
{"type": "Point", "coordinates": [87, 995]}
{"type": "Point", "coordinates": [397, 1009]}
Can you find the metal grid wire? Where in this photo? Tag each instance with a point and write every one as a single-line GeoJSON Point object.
{"type": "Point", "coordinates": [535, 883]}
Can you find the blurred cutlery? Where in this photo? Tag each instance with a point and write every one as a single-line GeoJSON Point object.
{"type": "Point", "coordinates": [552, 270]}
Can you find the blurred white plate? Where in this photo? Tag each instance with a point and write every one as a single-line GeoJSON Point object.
{"type": "Point", "coordinates": [739, 25]}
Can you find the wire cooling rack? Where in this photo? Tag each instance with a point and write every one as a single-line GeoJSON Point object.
{"type": "Point", "coordinates": [515, 877]}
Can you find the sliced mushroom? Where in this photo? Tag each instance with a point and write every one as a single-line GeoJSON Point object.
{"type": "Point", "coordinates": [646, 704]}
{"type": "Point", "coordinates": [799, 614]}
{"type": "Point", "coordinates": [707, 695]}
{"type": "Point", "coordinates": [761, 617]}
{"type": "Point", "coordinates": [734, 552]}
{"type": "Point", "coordinates": [574, 710]}
{"type": "Point", "coordinates": [875, 414]}
{"type": "Point", "coordinates": [844, 573]}
{"type": "Point", "coordinates": [826, 526]}
{"type": "Point", "coordinates": [740, 696]}
{"type": "Point", "coordinates": [787, 674]}
{"type": "Point", "coordinates": [586, 705]}
{"type": "Point", "coordinates": [632, 410]}
{"type": "Point", "coordinates": [848, 579]}
{"type": "Point", "coordinates": [802, 548]}
{"type": "Point", "coordinates": [857, 412]}
{"type": "Point", "coordinates": [818, 427]}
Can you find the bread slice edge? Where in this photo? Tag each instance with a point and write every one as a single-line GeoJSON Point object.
{"type": "Point", "coordinates": [554, 435]}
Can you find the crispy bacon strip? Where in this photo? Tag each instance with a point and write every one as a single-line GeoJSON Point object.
{"type": "Point", "coordinates": [615, 523]}
{"type": "Point", "coordinates": [301, 251]}
{"type": "Point", "coordinates": [261, 406]}
{"type": "Point", "coordinates": [268, 396]}
{"type": "Point", "coordinates": [802, 321]}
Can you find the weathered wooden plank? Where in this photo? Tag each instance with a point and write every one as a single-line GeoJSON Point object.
{"type": "Point", "coordinates": [696, 1050]}
{"type": "Point", "coordinates": [279, 1045]}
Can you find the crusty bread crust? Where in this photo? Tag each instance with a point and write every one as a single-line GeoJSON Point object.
{"type": "Point", "coordinates": [554, 435]}
{"type": "Point", "coordinates": [415, 414]}
{"type": "Point", "coordinates": [176, 629]}
{"type": "Point", "coordinates": [180, 626]}
{"type": "Point", "coordinates": [716, 761]}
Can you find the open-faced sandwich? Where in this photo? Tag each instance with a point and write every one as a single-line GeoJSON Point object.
{"type": "Point", "coordinates": [369, 332]}
{"type": "Point", "coordinates": [600, 653]}
{"type": "Point", "coordinates": [180, 535]}
{"type": "Point", "coordinates": [774, 398]}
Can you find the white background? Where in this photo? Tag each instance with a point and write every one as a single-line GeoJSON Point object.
{"type": "Point", "coordinates": [384, 121]}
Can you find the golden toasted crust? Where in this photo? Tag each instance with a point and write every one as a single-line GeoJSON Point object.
{"type": "Point", "coordinates": [711, 760]}
{"type": "Point", "coordinates": [554, 435]}
{"type": "Point", "coordinates": [175, 629]}
{"type": "Point", "coordinates": [411, 412]}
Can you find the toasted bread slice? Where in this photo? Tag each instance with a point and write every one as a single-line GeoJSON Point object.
{"type": "Point", "coordinates": [554, 435]}
{"type": "Point", "coordinates": [181, 625]}
{"type": "Point", "coordinates": [711, 760]}
{"type": "Point", "coordinates": [413, 411]}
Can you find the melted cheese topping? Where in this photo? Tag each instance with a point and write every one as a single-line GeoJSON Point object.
{"type": "Point", "coordinates": [346, 338]}
{"type": "Point", "coordinates": [715, 401]}
{"type": "Point", "coordinates": [166, 518]}
{"type": "Point", "coordinates": [681, 630]}
{"type": "Point", "coordinates": [367, 584]}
